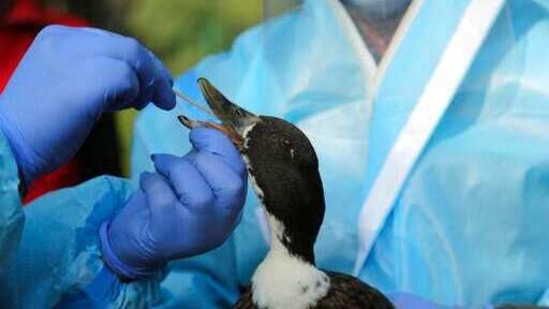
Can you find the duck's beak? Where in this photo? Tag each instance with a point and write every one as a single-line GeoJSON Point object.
{"type": "Point", "coordinates": [235, 119]}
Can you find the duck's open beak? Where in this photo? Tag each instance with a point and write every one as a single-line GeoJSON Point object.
{"type": "Point", "coordinates": [235, 119]}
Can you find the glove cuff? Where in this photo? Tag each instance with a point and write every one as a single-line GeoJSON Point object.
{"type": "Point", "coordinates": [125, 273]}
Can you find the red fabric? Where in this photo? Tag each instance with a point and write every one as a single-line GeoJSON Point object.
{"type": "Point", "coordinates": [65, 176]}
{"type": "Point", "coordinates": [17, 31]}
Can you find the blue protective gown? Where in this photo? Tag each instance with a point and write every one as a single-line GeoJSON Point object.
{"type": "Point", "coordinates": [467, 226]}
{"type": "Point", "coordinates": [11, 213]}
{"type": "Point", "coordinates": [49, 250]}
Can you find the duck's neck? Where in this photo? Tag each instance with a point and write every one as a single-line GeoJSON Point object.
{"type": "Point", "coordinates": [287, 277]}
{"type": "Point", "coordinates": [285, 243]}
{"type": "Point", "coordinates": [296, 212]}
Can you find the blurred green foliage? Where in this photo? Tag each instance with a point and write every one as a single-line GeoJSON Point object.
{"type": "Point", "coordinates": [182, 32]}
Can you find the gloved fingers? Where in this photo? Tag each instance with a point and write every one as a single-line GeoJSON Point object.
{"type": "Point", "coordinates": [157, 190]}
{"type": "Point", "coordinates": [191, 154]}
{"type": "Point", "coordinates": [154, 77]}
{"type": "Point", "coordinates": [161, 69]}
{"type": "Point", "coordinates": [160, 199]}
{"type": "Point", "coordinates": [189, 184]}
{"type": "Point", "coordinates": [216, 142]}
{"type": "Point", "coordinates": [163, 94]}
{"type": "Point", "coordinates": [228, 186]}
{"type": "Point", "coordinates": [133, 53]}
{"type": "Point", "coordinates": [119, 74]}
{"type": "Point", "coordinates": [150, 72]}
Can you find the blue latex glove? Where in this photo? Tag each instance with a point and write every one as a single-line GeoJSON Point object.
{"type": "Point", "coordinates": [67, 78]}
{"type": "Point", "coordinates": [189, 206]}
{"type": "Point", "coordinates": [410, 301]}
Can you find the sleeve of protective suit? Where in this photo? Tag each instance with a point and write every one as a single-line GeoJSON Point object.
{"type": "Point", "coordinates": [11, 213]}
{"type": "Point", "coordinates": [58, 261]}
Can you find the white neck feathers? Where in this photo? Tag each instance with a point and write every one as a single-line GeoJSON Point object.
{"type": "Point", "coordinates": [285, 281]}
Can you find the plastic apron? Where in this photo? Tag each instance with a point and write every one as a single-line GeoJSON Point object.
{"type": "Point", "coordinates": [312, 68]}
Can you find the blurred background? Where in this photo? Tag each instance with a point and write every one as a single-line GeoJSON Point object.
{"type": "Point", "coordinates": [180, 32]}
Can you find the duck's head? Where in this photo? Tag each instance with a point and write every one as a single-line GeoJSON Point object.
{"type": "Point", "coordinates": [283, 168]}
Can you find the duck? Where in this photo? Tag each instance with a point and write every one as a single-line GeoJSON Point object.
{"type": "Point", "coordinates": [283, 169]}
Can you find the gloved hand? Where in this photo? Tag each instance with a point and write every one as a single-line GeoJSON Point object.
{"type": "Point", "coordinates": [409, 301]}
{"type": "Point", "coordinates": [67, 78]}
{"type": "Point", "coordinates": [189, 206]}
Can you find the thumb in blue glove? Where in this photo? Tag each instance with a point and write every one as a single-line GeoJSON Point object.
{"type": "Point", "coordinates": [189, 206]}
{"type": "Point", "coordinates": [67, 78]}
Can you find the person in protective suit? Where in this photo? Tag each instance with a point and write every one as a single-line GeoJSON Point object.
{"type": "Point", "coordinates": [102, 243]}
{"type": "Point", "coordinates": [430, 122]}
